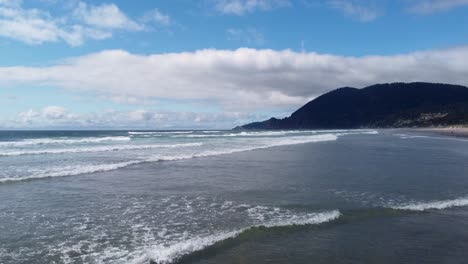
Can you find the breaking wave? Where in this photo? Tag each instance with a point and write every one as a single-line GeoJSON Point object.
{"type": "Point", "coordinates": [284, 142]}
{"type": "Point", "coordinates": [44, 141]}
{"type": "Point", "coordinates": [98, 149]}
{"type": "Point", "coordinates": [69, 171]}
{"type": "Point", "coordinates": [158, 132]}
{"type": "Point", "coordinates": [166, 254]}
{"type": "Point", "coordinates": [83, 169]}
{"type": "Point", "coordinates": [248, 134]}
{"type": "Point", "coordinates": [437, 205]}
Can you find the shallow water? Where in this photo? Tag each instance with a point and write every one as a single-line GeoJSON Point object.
{"type": "Point", "coordinates": [337, 196]}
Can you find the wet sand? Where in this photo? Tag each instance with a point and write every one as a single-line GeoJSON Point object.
{"type": "Point", "coordinates": [456, 131]}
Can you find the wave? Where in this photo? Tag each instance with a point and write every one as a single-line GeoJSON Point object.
{"type": "Point", "coordinates": [210, 131]}
{"type": "Point", "coordinates": [406, 136]}
{"type": "Point", "coordinates": [281, 133]}
{"type": "Point", "coordinates": [165, 254]}
{"type": "Point", "coordinates": [44, 141]}
{"type": "Point", "coordinates": [453, 138]}
{"type": "Point", "coordinates": [158, 132]}
{"type": "Point", "coordinates": [284, 142]}
{"type": "Point", "coordinates": [144, 134]}
{"type": "Point", "coordinates": [70, 171]}
{"type": "Point", "coordinates": [98, 149]}
{"type": "Point", "coordinates": [248, 134]}
{"type": "Point", "coordinates": [77, 170]}
{"type": "Point", "coordinates": [438, 205]}
{"type": "Point", "coordinates": [358, 132]}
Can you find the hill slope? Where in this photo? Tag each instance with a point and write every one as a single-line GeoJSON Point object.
{"type": "Point", "coordinates": [380, 105]}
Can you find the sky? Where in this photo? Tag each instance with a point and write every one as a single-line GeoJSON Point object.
{"type": "Point", "coordinates": [184, 64]}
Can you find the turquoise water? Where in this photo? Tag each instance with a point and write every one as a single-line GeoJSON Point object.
{"type": "Point", "coordinates": [336, 196]}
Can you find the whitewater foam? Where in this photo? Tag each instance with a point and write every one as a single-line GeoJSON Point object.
{"type": "Point", "coordinates": [250, 134]}
{"type": "Point", "coordinates": [44, 141]}
{"type": "Point", "coordinates": [406, 136]}
{"type": "Point", "coordinates": [83, 169]}
{"type": "Point", "coordinates": [166, 254]}
{"type": "Point", "coordinates": [283, 142]}
{"type": "Point", "coordinates": [98, 149]}
{"type": "Point", "coordinates": [438, 205]}
{"type": "Point", "coordinates": [158, 132]}
{"type": "Point", "coordinates": [70, 171]}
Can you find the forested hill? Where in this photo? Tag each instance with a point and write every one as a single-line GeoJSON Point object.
{"type": "Point", "coordinates": [379, 106]}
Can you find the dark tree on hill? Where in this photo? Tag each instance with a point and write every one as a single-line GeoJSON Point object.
{"type": "Point", "coordinates": [382, 105]}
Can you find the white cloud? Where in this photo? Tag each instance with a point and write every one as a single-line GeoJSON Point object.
{"type": "Point", "coordinates": [241, 7]}
{"type": "Point", "coordinates": [59, 117]}
{"type": "Point", "coordinates": [239, 80]}
{"type": "Point", "coordinates": [361, 10]}
{"type": "Point", "coordinates": [249, 36]}
{"type": "Point", "coordinates": [34, 26]}
{"type": "Point", "coordinates": [26, 118]}
{"type": "Point", "coordinates": [157, 16]}
{"type": "Point", "coordinates": [83, 21]}
{"type": "Point", "coordinates": [54, 112]}
{"type": "Point", "coordinates": [107, 16]}
{"type": "Point", "coordinates": [432, 6]}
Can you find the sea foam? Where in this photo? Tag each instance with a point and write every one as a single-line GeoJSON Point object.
{"type": "Point", "coordinates": [166, 254]}
{"type": "Point", "coordinates": [43, 141]}
{"type": "Point", "coordinates": [98, 149]}
{"type": "Point", "coordinates": [437, 205]}
{"type": "Point", "coordinates": [83, 169]}
{"type": "Point", "coordinates": [69, 171]}
{"type": "Point", "coordinates": [158, 132]}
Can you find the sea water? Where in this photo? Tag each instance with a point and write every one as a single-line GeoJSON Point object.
{"type": "Point", "coordinates": [309, 196]}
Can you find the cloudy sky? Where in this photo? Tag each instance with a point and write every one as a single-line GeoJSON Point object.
{"type": "Point", "coordinates": [212, 63]}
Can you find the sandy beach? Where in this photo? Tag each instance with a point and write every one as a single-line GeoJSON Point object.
{"type": "Point", "coordinates": [457, 131]}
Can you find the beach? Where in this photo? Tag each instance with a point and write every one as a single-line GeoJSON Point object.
{"type": "Point", "coordinates": [456, 131]}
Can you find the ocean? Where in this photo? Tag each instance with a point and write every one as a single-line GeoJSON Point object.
{"type": "Point", "coordinates": [312, 196]}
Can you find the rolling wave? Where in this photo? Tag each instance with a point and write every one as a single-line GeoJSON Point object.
{"type": "Point", "coordinates": [84, 169]}
{"type": "Point", "coordinates": [44, 141]}
{"type": "Point", "coordinates": [283, 142]}
{"type": "Point", "coordinates": [248, 134]}
{"type": "Point", "coordinates": [210, 131]}
{"type": "Point", "coordinates": [280, 133]}
{"type": "Point", "coordinates": [406, 136]}
{"type": "Point", "coordinates": [98, 149]}
{"type": "Point", "coordinates": [158, 132]}
{"type": "Point", "coordinates": [165, 254]}
{"type": "Point", "coordinates": [434, 205]}
{"type": "Point", "coordinates": [69, 171]}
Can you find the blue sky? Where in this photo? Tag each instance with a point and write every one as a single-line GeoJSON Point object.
{"type": "Point", "coordinates": [212, 63]}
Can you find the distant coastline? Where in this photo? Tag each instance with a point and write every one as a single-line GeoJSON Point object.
{"type": "Point", "coordinates": [456, 131]}
{"type": "Point", "coordinates": [395, 105]}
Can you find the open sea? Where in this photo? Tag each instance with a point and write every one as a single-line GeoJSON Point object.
{"type": "Point", "coordinates": [324, 196]}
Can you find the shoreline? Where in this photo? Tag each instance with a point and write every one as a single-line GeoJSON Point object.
{"type": "Point", "coordinates": [455, 131]}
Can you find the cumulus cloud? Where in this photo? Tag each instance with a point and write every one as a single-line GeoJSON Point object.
{"type": "Point", "coordinates": [432, 6]}
{"type": "Point", "coordinates": [34, 26]}
{"type": "Point", "coordinates": [358, 9]}
{"type": "Point", "coordinates": [241, 7]}
{"type": "Point", "coordinates": [105, 16]}
{"type": "Point", "coordinates": [48, 114]}
{"type": "Point", "coordinates": [25, 118]}
{"type": "Point", "coordinates": [83, 21]}
{"type": "Point", "coordinates": [54, 112]}
{"type": "Point", "coordinates": [238, 80]}
{"type": "Point", "coordinates": [59, 117]}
